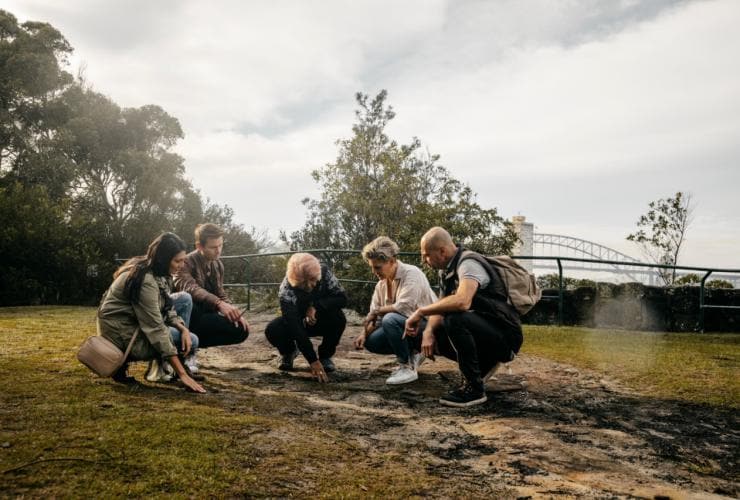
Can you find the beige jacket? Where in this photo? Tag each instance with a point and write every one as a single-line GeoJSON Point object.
{"type": "Point", "coordinates": [410, 290]}
{"type": "Point", "coordinates": [118, 319]}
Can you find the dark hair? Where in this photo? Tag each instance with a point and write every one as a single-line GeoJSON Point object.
{"type": "Point", "coordinates": [158, 256]}
{"type": "Point", "coordinates": [207, 231]}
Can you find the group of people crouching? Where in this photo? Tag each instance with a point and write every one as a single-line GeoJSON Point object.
{"type": "Point", "coordinates": [167, 295]}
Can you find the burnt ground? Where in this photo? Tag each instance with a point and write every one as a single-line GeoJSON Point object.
{"type": "Point", "coordinates": [547, 430]}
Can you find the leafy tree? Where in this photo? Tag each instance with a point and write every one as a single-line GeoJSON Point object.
{"type": "Point", "coordinates": [83, 181]}
{"type": "Point", "coordinates": [377, 186]}
{"type": "Point", "coordinates": [126, 181]}
{"type": "Point", "coordinates": [719, 284]}
{"type": "Point", "coordinates": [688, 279]}
{"type": "Point", "coordinates": [46, 256]}
{"type": "Point", "coordinates": [662, 230]}
{"type": "Point", "coordinates": [31, 82]}
{"type": "Point", "coordinates": [551, 281]}
{"type": "Point", "coordinates": [695, 279]}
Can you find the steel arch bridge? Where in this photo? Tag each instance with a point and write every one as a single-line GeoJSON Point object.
{"type": "Point", "coordinates": [581, 248]}
{"type": "Point", "coordinates": [558, 245]}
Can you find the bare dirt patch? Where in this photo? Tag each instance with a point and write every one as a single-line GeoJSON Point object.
{"type": "Point", "coordinates": [548, 429]}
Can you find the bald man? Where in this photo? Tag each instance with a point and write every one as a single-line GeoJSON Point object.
{"type": "Point", "coordinates": [473, 323]}
{"type": "Point", "coordinates": [311, 301]}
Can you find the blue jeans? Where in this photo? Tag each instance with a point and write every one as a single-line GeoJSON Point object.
{"type": "Point", "coordinates": [184, 308]}
{"type": "Point", "coordinates": [387, 338]}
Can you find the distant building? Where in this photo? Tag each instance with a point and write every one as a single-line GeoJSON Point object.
{"type": "Point", "coordinates": [525, 245]}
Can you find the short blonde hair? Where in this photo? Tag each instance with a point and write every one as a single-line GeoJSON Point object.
{"type": "Point", "coordinates": [381, 248]}
{"type": "Point", "coordinates": [301, 267]}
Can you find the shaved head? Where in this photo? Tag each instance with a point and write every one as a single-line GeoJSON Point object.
{"type": "Point", "coordinates": [437, 248]}
{"type": "Point", "coordinates": [437, 237]}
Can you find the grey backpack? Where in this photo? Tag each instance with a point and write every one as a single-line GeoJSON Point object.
{"type": "Point", "coordinates": [520, 284]}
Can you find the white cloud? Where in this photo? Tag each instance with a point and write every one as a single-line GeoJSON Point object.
{"type": "Point", "coordinates": [576, 113]}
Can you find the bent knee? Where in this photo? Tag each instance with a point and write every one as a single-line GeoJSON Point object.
{"type": "Point", "coordinates": [182, 298]}
{"type": "Point", "coordinates": [243, 334]}
{"type": "Point", "coordinates": [393, 320]}
{"type": "Point", "coordinates": [453, 322]}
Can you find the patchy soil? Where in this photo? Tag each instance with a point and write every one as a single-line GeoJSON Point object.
{"type": "Point", "coordinates": [547, 430]}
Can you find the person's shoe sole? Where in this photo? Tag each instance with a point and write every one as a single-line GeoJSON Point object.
{"type": "Point", "coordinates": [466, 404]}
{"type": "Point", "coordinates": [401, 382]}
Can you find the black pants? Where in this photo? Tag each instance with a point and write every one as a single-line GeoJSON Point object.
{"type": "Point", "coordinates": [476, 343]}
{"type": "Point", "coordinates": [329, 325]}
{"type": "Point", "coordinates": [214, 329]}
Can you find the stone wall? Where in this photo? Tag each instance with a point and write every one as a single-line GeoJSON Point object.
{"type": "Point", "coordinates": [634, 306]}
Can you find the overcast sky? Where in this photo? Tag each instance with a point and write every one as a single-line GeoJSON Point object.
{"type": "Point", "coordinates": [574, 113]}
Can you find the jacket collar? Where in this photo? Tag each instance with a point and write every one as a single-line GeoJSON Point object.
{"type": "Point", "coordinates": [451, 268]}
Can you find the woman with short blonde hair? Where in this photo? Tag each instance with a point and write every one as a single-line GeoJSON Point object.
{"type": "Point", "coordinates": [401, 289]}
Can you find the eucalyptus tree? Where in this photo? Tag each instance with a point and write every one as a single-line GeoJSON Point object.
{"type": "Point", "coordinates": [377, 186]}
{"type": "Point", "coordinates": [32, 82]}
{"type": "Point", "coordinates": [661, 232]}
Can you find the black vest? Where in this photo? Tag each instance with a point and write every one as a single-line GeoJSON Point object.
{"type": "Point", "coordinates": [491, 301]}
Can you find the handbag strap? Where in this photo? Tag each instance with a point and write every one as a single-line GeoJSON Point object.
{"type": "Point", "coordinates": [130, 345]}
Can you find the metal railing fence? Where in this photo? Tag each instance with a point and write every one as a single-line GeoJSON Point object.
{"type": "Point", "coordinates": [327, 255]}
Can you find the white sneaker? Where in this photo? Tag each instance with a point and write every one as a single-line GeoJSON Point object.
{"type": "Point", "coordinates": [417, 359]}
{"type": "Point", "coordinates": [156, 372]}
{"type": "Point", "coordinates": [192, 364]}
{"type": "Point", "coordinates": [402, 375]}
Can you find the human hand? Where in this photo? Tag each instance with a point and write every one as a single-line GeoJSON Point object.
{"type": "Point", "coordinates": [244, 324]}
{"type": "Point", "coordinates": [427, 344]}
{"type": "Point", "coordinates": [369, 323]}
{"type": "Point", "coordinates": [360, 341]}
{"type": "Point", "coordinates": [191, 384]}
{"type": "Point", "coordinates": [317, 370]}
{"type": "Point", "coordinates": [310, 316]}
{"type": "Point", "coordinates": [231, 312]}
{"type": "Point", "coordinates": [185, 341]}
{"type": "Point", "coordinates": [412, 324]}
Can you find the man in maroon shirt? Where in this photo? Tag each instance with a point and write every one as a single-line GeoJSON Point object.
{"type": "Point", "coordinates": [214, 318]}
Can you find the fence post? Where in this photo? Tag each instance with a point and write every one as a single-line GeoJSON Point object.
{"type": "Point", "coordinates": [248, 272]}
{"type": "Point", "coordinates": [701, 301]}
{"type": "Point", "coordinates": [560, 292]}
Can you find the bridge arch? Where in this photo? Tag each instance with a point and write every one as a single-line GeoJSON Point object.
{"type": "Point", "coordinates": [581, 247]}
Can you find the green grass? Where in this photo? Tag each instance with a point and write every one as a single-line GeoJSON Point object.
{"type": "Point", "coordinates": [65, 432]}
{"type": "Point", "coordinates": [69, 433]}
{"type": "Point", "coordinates": [700, 368]}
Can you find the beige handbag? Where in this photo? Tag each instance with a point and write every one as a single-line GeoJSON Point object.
{"type": "Point", "coordinates": [103, 356]}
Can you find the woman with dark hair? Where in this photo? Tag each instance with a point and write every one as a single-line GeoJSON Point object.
{"type": "Point", "coordinates": [139, 300]}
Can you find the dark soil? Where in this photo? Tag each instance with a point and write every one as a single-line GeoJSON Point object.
{"type": "Point", "coordinates": [547, 430]}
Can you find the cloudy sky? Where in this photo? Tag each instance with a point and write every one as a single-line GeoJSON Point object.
{"type": "Point", "coordinates": [574, 113]}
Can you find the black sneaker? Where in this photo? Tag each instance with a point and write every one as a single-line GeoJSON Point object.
{"type": "Point", "coordinates": [122, 377]}
{"type": "Point", "coordinates": [463, 397]}
{"type": "Point", "coordinates": [328, 365]}
{"type": "Point", "coordinates": [286, 364]}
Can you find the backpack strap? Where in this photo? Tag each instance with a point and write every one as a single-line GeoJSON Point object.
{"type": "Point", "coordinates": [497, 287]}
